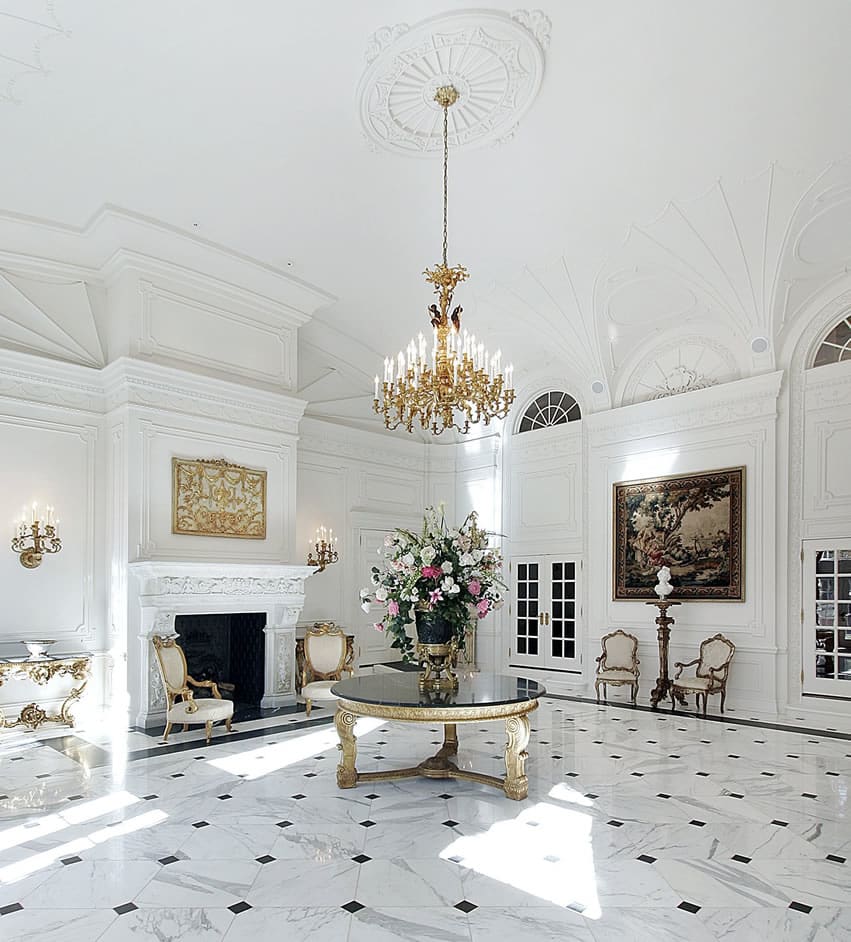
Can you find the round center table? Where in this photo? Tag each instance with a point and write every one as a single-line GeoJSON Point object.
{"type": "Point", "coordinates": [397, 696]}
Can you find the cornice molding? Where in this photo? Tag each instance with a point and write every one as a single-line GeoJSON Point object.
{"type": "Point", "coordinates": [743, 400]}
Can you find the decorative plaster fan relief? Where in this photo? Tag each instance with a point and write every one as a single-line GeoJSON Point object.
{"type": "Point", "coordinates": [495, 60]}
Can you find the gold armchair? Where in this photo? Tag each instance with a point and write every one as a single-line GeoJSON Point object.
{"type": "Point", "coordinates": [327, 656]}
{"type": "Point", "coordinates": [177, 681]}
{"type": "Point", "coordinates": [618, 664]}
{"type": "Point", "coordinates": [713, 668]}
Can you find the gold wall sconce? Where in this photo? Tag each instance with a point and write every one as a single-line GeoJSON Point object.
{"type": "Point", "coordinates": [323, 550]}
{"type": "Point", "coordinates": [34, 536]}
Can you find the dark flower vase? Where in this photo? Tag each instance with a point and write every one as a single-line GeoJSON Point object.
{"type": "Point", "coordinates": [433, 628]}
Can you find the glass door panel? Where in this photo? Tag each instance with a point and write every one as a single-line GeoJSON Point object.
{"type": "Point", "coordinates": [527, 616]}
{"type": "Point", "coordinates": [827, 618]}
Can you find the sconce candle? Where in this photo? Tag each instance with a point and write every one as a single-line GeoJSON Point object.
{"type": "Point", "coordinates": [323, 551]}
{"type": "Point", "coordinates": [32, 540]}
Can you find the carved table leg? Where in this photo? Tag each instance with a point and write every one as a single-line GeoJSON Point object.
{"type": "Point", "coordinates": [516, 783]}
{"type": "Point", "coordinates": [64, 714]}
{"type": "Point", "coordinates": [347, 776]}
{"type": "Point", "coordinates": [450, 739]}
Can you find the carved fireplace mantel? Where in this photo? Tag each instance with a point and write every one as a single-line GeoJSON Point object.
{"type": "Point", "coordinates": [166, 589]}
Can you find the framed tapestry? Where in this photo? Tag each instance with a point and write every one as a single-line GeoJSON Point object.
{"type": "Point", "coordinates": [216, 498]}
{"type": "Point", "coordinates": [692, 523]}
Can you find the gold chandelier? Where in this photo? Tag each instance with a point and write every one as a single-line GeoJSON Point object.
{"type": "Point", "coordinates": [458, 383]}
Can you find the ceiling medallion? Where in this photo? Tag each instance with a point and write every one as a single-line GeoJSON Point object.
{"type": "Point", "coordinates": [495, 60]}
{"type": "Point", "coordinates": [459, 383]}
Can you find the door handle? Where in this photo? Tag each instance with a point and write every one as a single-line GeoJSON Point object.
{"type": "Point", "coordinates": [540, 618]}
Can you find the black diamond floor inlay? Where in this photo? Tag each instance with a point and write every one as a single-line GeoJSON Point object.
{"type": "Point", "coordinates": [361, 858]}
{"type": "Point", "coordinates": [201, 824]}
{"type": "Point", "coordinates": [466, 906]}
{"type": "Point", "coordinates": [449, 823]}
{"type": "Point", "coordinates": [740, 858]}
{"type": "Point", "coordinates": [70, 860]}
{"type": "Point", "coordinates": [367, 823]}
{"type": "Point", "coordinates": [125, 908]}
{"type": "Point", "coordinates": [168, 860]}
{"type": "Point", "coordinates": [265, 859]}
{"type": "Point", "coordinates": [239, 907]}
{"type": "Point", "coordinates": [689, 907]}
{"type": "Point", "coordinates": [284, 824]}
{"type": "Point", "coordinates": [835, 858]}
{"type": "Point", "coordinates": [646, 858]}
{"type": "Point", "coordinates": [353, 906]}
{"type": "Point", "coordinates": [800, 907]}
{"type": "Point", "coordinates": [11, 908]}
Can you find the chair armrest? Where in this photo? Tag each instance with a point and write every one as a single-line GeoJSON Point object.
{"type": "Point", "coordinates": [721, 671]}
{"type": "Point", "coordinates": [680, 666]}
{"type": "Point", "coordinates": [205, 683]}
{"type": "Point", "coordinates": [191, 705]}
{"type": "Point", "coordinates": [349, 670]}
{"type": "Point", "coordinates": [601, 661]}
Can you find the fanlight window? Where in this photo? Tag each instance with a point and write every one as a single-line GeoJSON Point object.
{"type": "Point", "coordinates": [836, 345]}
{"type": "Point", "coordinates": [551, 408]}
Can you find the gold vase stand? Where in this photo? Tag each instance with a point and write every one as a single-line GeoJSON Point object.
{"type": "Point", "coordinates": [514, 784]}
{"type": "Point", "coordinates": [437, 659]}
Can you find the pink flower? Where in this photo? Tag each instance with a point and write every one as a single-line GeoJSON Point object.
{"type": "Point", "coordinates": [482, 607]}
{"type": "Point", "coordinates": [392, 607]}
{"type": "Point", "coordinates": [435, 596]}
{"type": "Point", "coordinates": [475, 587]}
{"type": "Point", "coordinates": [379, 626]}
{"type": "Point", "coordinates": [431, 572]}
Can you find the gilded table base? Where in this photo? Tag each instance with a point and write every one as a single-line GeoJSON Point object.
{"type": "Point", "coordinates": [514, 784]}
{"type": "Point", "coordinates": [40, 672]}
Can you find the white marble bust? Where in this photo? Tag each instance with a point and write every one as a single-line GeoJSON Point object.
{"type": "Point", "coordinates": [664, 588]}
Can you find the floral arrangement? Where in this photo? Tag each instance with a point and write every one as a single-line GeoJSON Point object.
{"type": "Point", "coordinates": [452, 572]}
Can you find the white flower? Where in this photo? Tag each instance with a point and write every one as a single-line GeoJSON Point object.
{"type": "Point", "coordinates": [363, 594]}
{"type": "Point", "coordinates": [466, 560]}
{"type": "Point", "coordinates": [408, 559]}
{"type": "Point", "coordinates": [427, 554]}
{"type": "Point", "coordinates": [477, 555]}
{"type": "Point", "coordinates": [374, 578]}
{"type": "Point", "coordinates": [449, 587]}
{"type": "Point", "coordinates": [365, 607]}
{"type": "Point", "coordinates": [381, 594]}
{"type": "Point", "coordinates": [446, 566]}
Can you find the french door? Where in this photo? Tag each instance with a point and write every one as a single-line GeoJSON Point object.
{"type": "Point", "coordinates": [374, 645]}
{"type": "Point", "coordinates": [545, 612]}
{"type": "Point", "coordinates": [826, 621]}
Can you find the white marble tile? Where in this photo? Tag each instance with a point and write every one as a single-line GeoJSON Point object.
{"type": "Point", "coordinates": [199, 884]}
{"type": "Point", "coordinates": [170, 925]}
{"type": "Point", "coordinates": [266, 924]}
{"type": "Point", "coordinates": [56, 925]}
{"type": "Point", "coordinates": [96, 884]}
{"type": "Point", "coordinates": [409, 883]}
{"type": "Point", "coordinates": [543, 924]}
{"type": "Point", "coordinates": [406, 924]}
{"type": "Point", "coordinates": [292, 883]}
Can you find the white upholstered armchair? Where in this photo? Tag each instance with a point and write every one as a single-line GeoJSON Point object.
{"type": "Point", "coordinates": [618, 664]}
{"type": "Point", "coordinates": [713, 668]}
{"type": "Point", "coordinates": [327, 658]}
{"type": "Point", "coordinates": [176, 680]}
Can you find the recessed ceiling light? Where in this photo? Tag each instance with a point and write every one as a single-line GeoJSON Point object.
{"type": "Point", "coordinates": [759, 344]}
{"type": "Point", "coordinates": [597, 387]}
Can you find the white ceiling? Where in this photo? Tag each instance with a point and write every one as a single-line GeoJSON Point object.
{"type": "Point", "coordinates": [599, 232]}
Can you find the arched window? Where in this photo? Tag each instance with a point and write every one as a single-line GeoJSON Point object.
{"type": "Point", "coordinates": [836, 345]}
{"type": "Point", "coordinates": [550, 408]}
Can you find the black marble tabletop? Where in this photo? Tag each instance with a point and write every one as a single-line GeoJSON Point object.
{"type": "Point", "coordinates": [402, 689]}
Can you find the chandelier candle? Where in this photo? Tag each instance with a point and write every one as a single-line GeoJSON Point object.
{"type": "Point", "coordinates": [458, 383]}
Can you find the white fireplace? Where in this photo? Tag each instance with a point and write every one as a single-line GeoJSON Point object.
{"type": "Point", "coordinates": [166, 589]}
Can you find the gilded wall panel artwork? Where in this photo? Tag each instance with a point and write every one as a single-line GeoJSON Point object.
{"type": "Point", "coordinates": [692, 523]}
{"type": "Point", "coordinates": [216, 498]}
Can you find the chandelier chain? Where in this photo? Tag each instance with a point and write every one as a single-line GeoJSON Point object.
{"type": "Point", "coordinates": [445, 181]}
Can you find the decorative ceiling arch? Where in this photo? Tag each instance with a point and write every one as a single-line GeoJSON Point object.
{"type": "Point", "coordinates": [679, 365]}
{"type": "Point", "coordinates": [25, 28]}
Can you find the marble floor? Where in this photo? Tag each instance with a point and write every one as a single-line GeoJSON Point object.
{"type": "Point", "coordinates": [639, 825]}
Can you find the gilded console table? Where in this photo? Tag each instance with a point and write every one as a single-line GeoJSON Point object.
{"type": "Point", "coordinates": [398, 696]}
{"type": "Point", "coordinates": [41, 671]}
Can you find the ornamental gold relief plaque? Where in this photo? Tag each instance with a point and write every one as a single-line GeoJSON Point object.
{"type": "Point", "coordinates": [216, 498]}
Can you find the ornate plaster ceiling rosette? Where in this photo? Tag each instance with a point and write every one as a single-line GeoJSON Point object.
{"type": "Point", "coordinates": [494, 59]}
